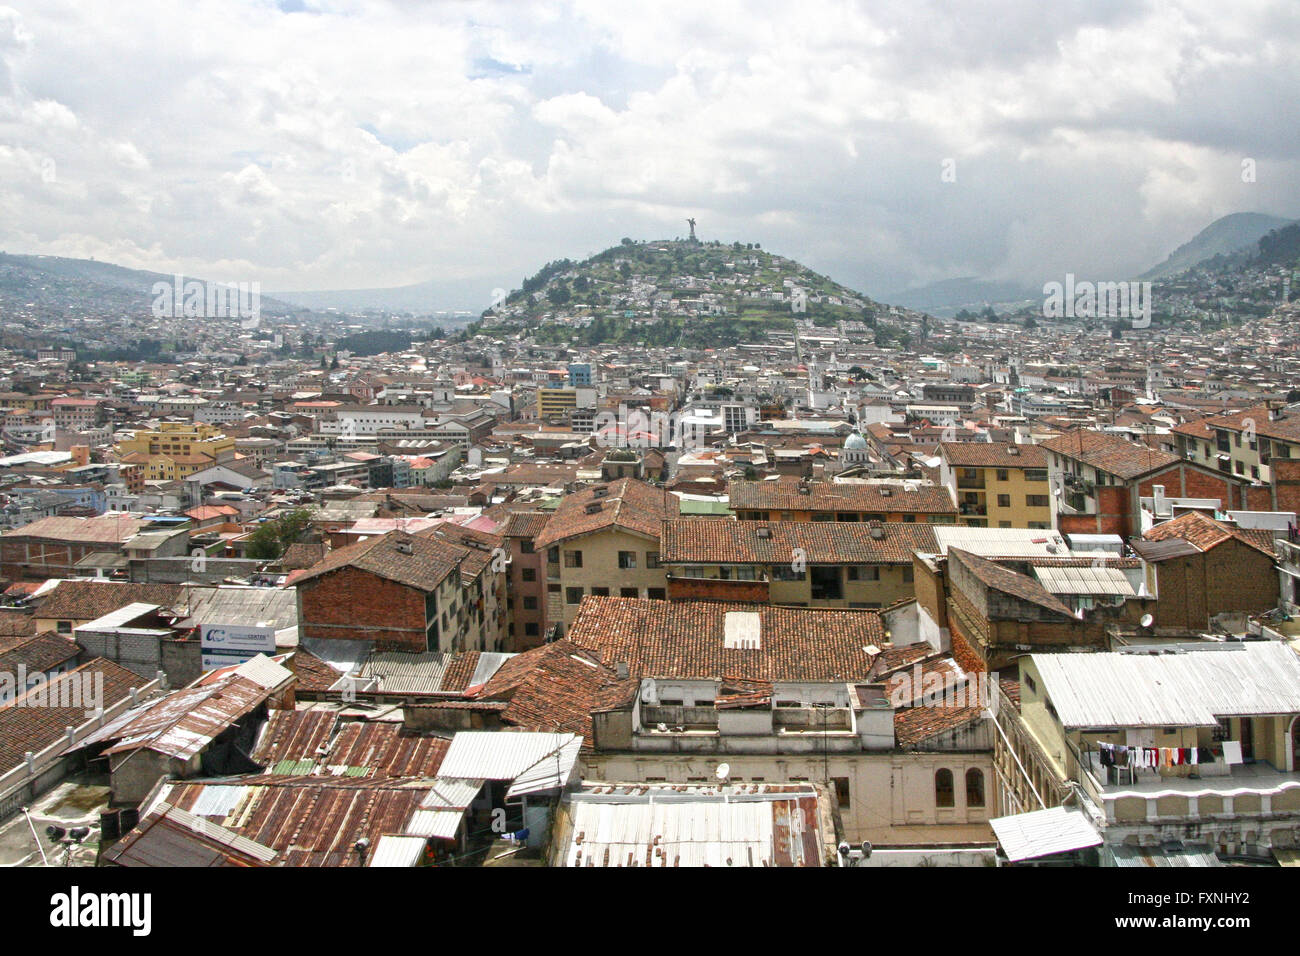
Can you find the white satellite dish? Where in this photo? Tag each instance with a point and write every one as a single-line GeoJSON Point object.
{"type": "Point", "coordinates": [723, 772]}
{"type": "Point", "coordinates": [1147, 620]}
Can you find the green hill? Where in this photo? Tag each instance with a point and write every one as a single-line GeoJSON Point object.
{"type": "Point", "coordinates": [664, 292]}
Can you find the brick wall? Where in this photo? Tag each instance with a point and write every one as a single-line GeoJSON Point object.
{"type": "Point", "coordinates": [352, 604]}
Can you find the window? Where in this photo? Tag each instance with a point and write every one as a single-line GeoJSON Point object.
{"type": "Point", "coordinates": [1002, 474]}
{"type": "Point", "coordinates": [1004, 501]}
{"type": "Point", "coordinates": [528, 574]}
{"type": "Point", "coordinates": [573, 559]}
{"type": "Point", "coordinates": [627, 560]}
{"type": "Point", "coordinates": [1035, 474]}
{"type": "Point", "coordinates": [532, 629]}
{"type": "Point", "coordinates": [64, 627]}
{"type": "Point", "coordinates": [943, 792]}
{"type": "Point", "coordinates": [629, 592]}
{"type": "Point", "coordinates": [974, 787]}
{"type": "Point", "coordinates": [526, 547]}
{"type": "Point", "coordinates": [530, 604]}
{"type": "Point", "coordinates": [656, 594]}
{"type": "Point", "coordinates": [908, 574]}
{"type": "Point", "coordinates": [1036, 501]}
{"type": "Point", "coordinates": [553, 555]}
{"type": "Point", "coordinates": [652, 559]}
{"type": "Point", "coordinates": [600, 592]}
{"type": "Point", "coordinates": [573, 595]}
{"type": "Point", "coordinates": [842, 791]}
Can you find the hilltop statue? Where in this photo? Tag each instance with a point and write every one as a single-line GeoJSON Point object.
{"type": "Point", "coordinates": [691, 223]}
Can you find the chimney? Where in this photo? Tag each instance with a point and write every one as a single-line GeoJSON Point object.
{"type": "Point", "coordinates": [620, 669]}
{"type": "Point", "coordinates": [1158, 499]}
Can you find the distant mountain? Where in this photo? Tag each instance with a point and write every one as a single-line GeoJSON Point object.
{"type": "Point", "coordinates": [468, 296]}
{"type": "Point", "coordinates": [57, 284]}
{"type": "Point", "coordinates": [949, 296]}
{"type": "Point", "coordinates": [1238, 233]}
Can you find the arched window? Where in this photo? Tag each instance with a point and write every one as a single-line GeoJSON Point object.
{"type": "Point", "coordinates": [943, 791]}
{"type": "Point", "coordinates": [974, 787]}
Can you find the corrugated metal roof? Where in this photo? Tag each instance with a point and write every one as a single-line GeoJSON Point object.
{"type": "Point", "coordinates": [346, 657]}
{"type": "Point", "coordinates": [246, 607]}
{"type": "Point", "coordinates": [1085, 580]}
{"type": "Point", "coordinates": [550, 772]}
{"type": "Point", "coordinates": [1028, 836]}
{"type": "Point", "coordinates": [451, 793]}
{"type": "Point", "coordinates": [654, 827]}
{"type": "Point", "coordinates": [1190, 688]}
{"type": "Point", "coordinates": [488, 664]}
{"type": "Point", "coordinates": [397, 851]}
{"type": "Point", "coordinates": [405, 673]}
{"type": "Point", "coordinates": [1001, 542]}
{"type": "Point", "coordinates": [183, 722]}
{"type": "Point", "coordinates": [1170, 855]}
{"type": "Point", "coordinates": [500, 756]}
{"type": "Point", "coordinates": [443, 824]}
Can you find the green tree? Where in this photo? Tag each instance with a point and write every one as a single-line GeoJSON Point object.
{"type": "Point", "coordinates": [272, 538]}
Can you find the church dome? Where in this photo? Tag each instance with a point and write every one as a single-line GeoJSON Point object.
{"type": "Point", "coordinates": [855, 441]}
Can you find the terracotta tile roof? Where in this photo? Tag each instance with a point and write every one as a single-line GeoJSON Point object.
{"type": "Point", "coordinates": [39, 654]}
{"type": "Point", "coordinates": [840, 496]}
{"type": "Point", "coordinates": [526, 524]}
{"type": "Point", "coordinates": [974, 454]}
{"type": "Point", "coordinates": [313, 673]}
{"type": "Point", "coordinates": [424, 568]}
{"type": "Point", "coordinates": [704, 541]}
{"type": "Point", "coordinates": [88, 600]}
{"type": "Point", "coordinates": [556, 687]}
{"type": "Point", "coordinates": [1204, 532]}
{"type": "Point", "coordinates": [1110, 453]}
{"type": "Point", "coordinates": [301, 555]}
{"type": "Point", "coordinates": [460, 668]}
{"type": "Point", "coordinates": [24, 725]}
{"type": "Point", "coordinates": [998, 578]}
{"type": "Point", "coordinates": [686, 639]}
{"type": "Point", "coordinates": [627, 504]}
{"type": "Point", "coordinates": [1285, 428]}
{"type": "Point", "coordinates": [915, 725]}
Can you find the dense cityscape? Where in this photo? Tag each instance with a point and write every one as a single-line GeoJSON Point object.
{"type": "Point", "coordinates": [618, 453]}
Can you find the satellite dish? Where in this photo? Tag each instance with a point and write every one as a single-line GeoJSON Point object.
{"type": "Point", "coordinates": [1147, 620]}
{"type": "Point", "coordinates": [723, 771]}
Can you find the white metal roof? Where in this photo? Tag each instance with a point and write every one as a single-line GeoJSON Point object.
{"type": "Point", "coordinates": [662, 828]}
{"type": "Point", "coordinates": [1190, 688]}
{"type": "Point", "coordinates": [397, 851]}
{"type": "Point", "coordinates": [1085, 580]}
{"type": "Point", "coordinates": [503, 755]}
{"type": "Point", "coordinates": [451, 793]}
{"type": "Point", "coordinates": [443, 824]}
{"type": "Point", "coordinates": [550, 772]}
{"type": "Point", "coordinates": [1027, 836]}
{"type": "Point", "coordinates": [1001, 542]}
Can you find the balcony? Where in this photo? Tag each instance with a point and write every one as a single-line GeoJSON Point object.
{"type": "Point", "coordinates": [974, 484]}
{"type": "Point", "coordinates": [970, 509]}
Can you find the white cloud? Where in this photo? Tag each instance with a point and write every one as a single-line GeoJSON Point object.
{"type": "Point", "coordinates": [365, 142]}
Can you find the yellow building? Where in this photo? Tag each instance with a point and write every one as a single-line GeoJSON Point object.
{"type": "Point", "coordinates": [852, 564]}
{"type": "Point", "coordinates": [604, 541]}
{"type": "Point", "coordinates": [997, 484]}
{"type": "Point", "coordinates": [556, 402]}
{"type": "Point", "coordinates": [176, 450]}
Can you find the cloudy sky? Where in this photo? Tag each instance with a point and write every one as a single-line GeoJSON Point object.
{"type": "Point", "coordinates": [317, 144]}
